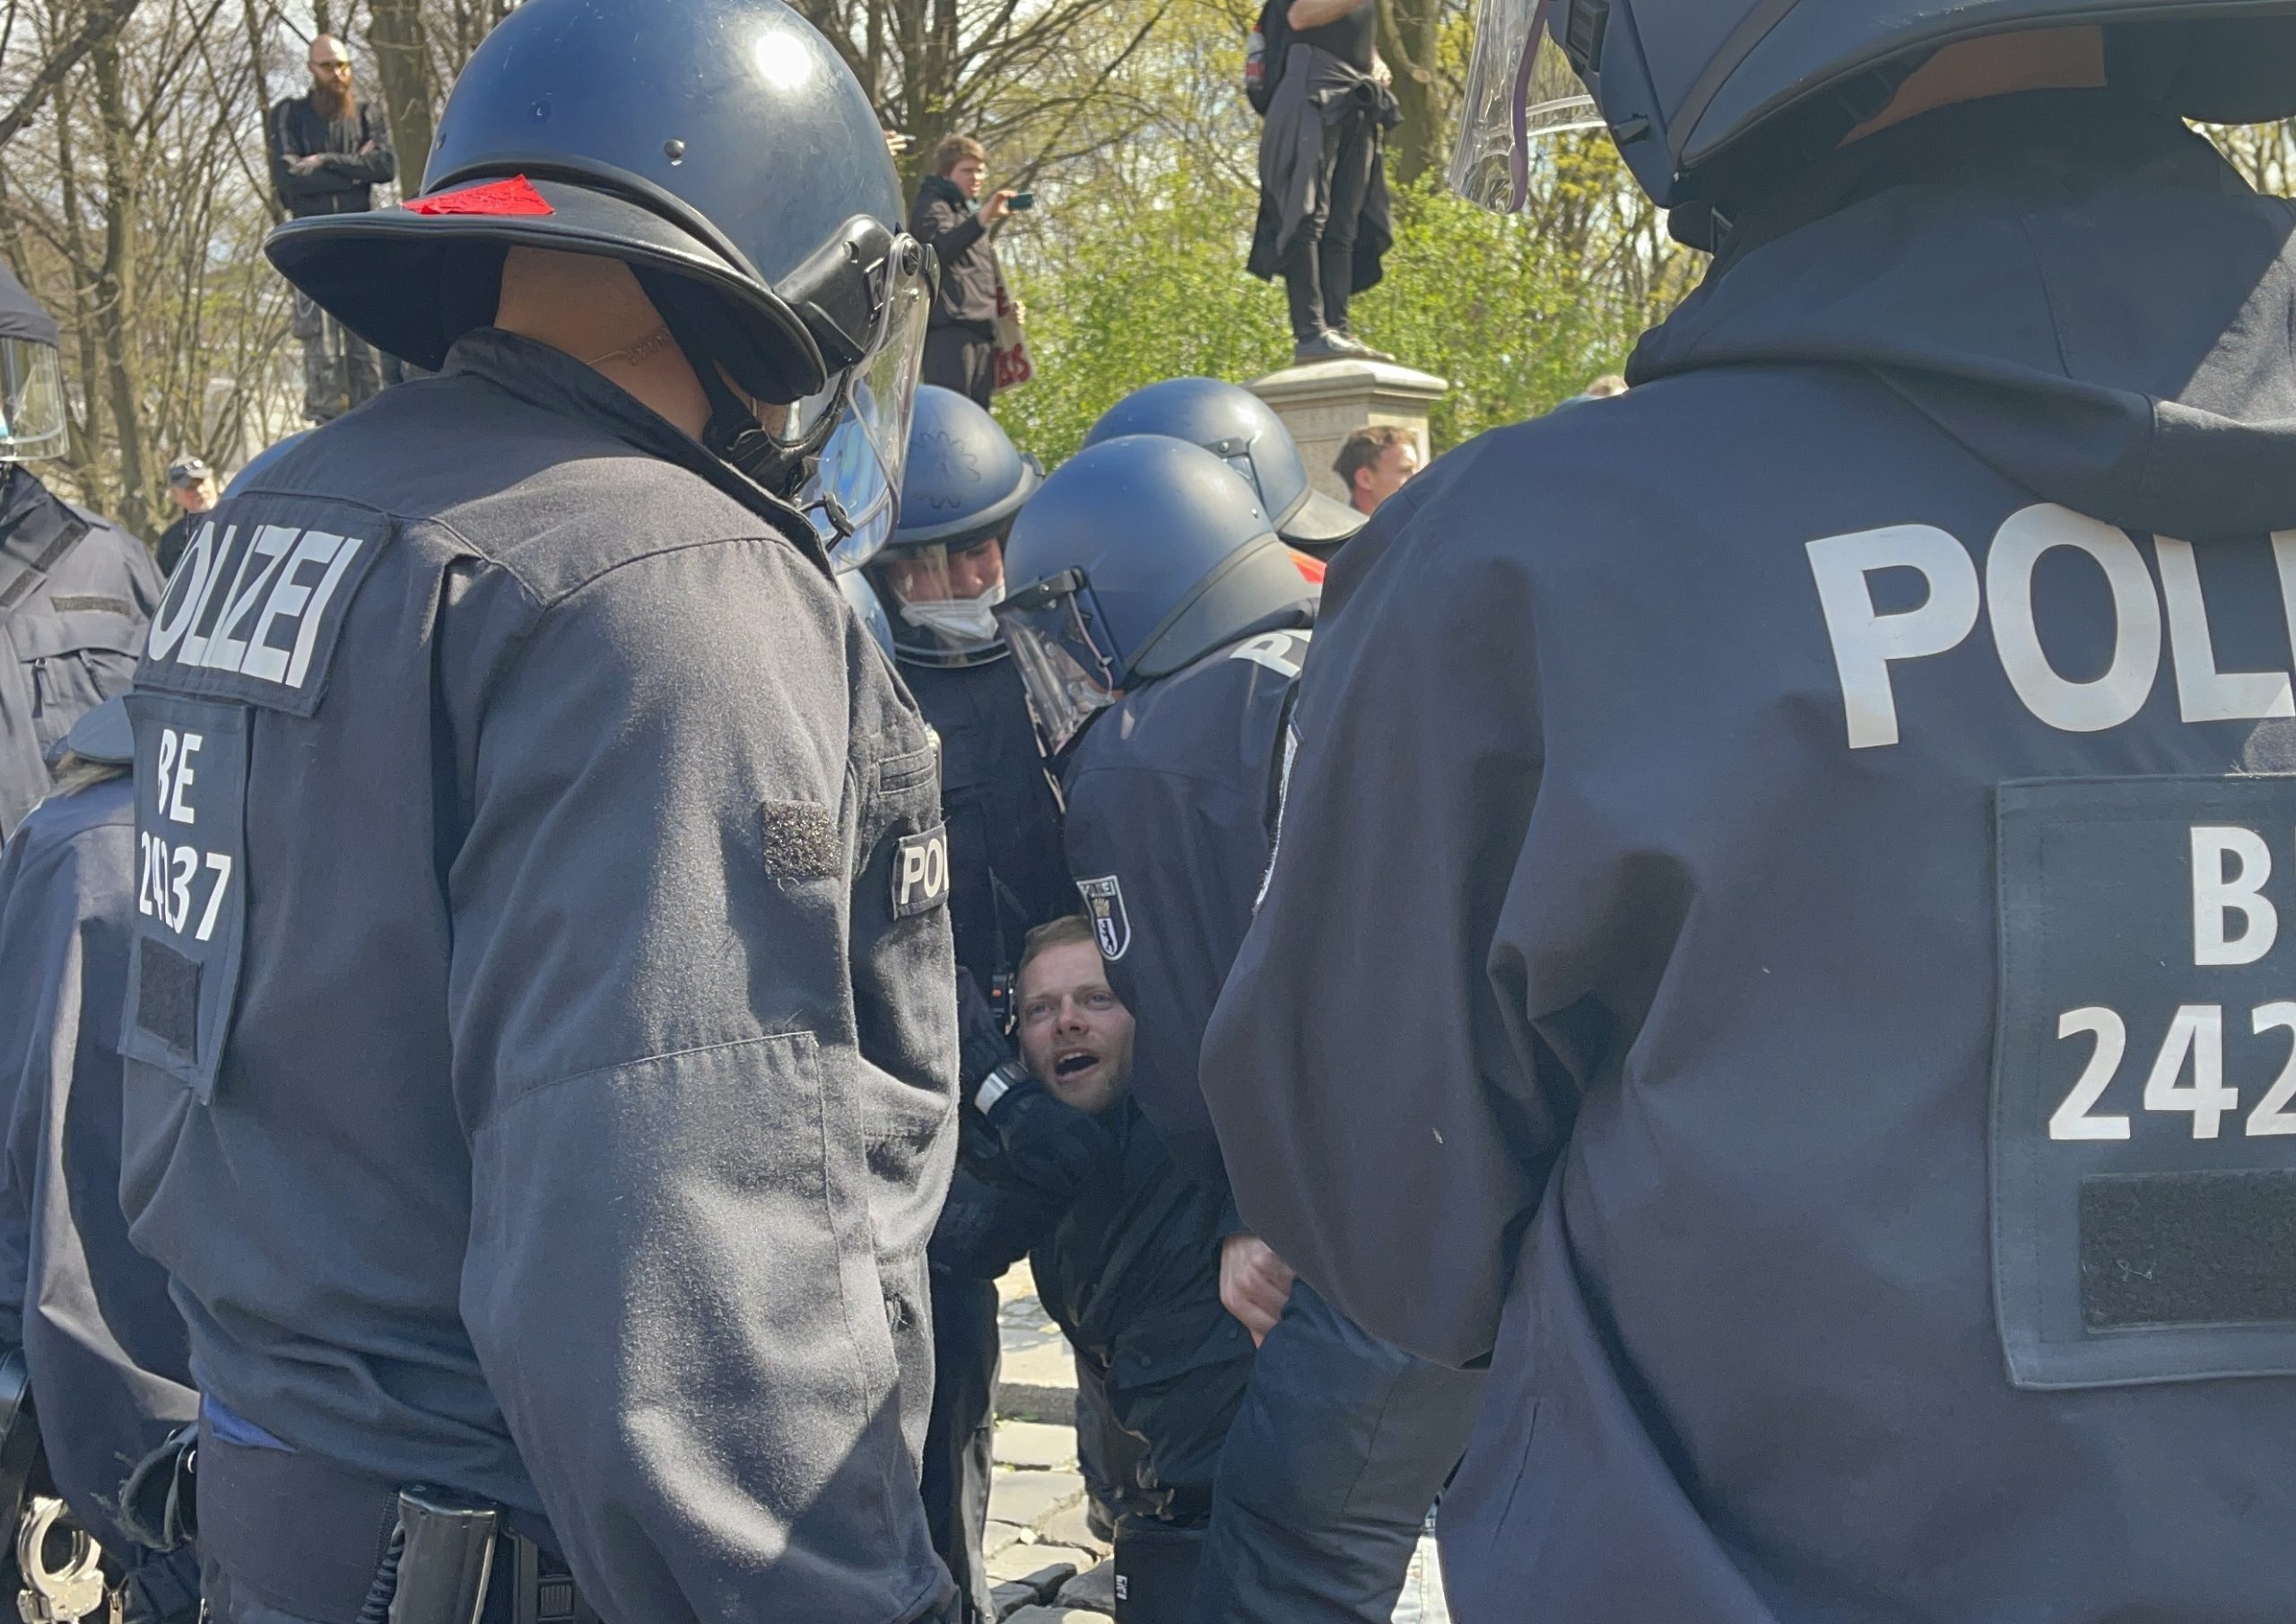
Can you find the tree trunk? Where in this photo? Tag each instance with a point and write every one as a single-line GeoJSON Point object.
{"type": "Point", "coordinates": [258, 68]}
{"type": "Point", "coordinates": [402, 47]}
{"type": "Point", "coordinates": [116, 305]}
{"type": "Point", "coordinates": [1409, 34]}
{"type": "Point", "coordinates": [86, 433]}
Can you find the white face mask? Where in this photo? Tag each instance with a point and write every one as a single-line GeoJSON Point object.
{"type": "Point", "coordinates": [961, 619]}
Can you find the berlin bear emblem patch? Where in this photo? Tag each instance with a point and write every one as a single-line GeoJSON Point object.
{"type": "Point", "coordinates": [1104, 901]}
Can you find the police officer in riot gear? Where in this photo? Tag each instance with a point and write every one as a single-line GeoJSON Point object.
{"type": "Point", "coordinates": [1233, 423]}
{"type": "Point", "coordinates": [540, 1048]}
{"type": "Point", "coordinates": [1161, 624]}
{"type": "Point", "coordinates": [940, 578]}
{"type": "Point", "coordinates": [104, 1348]}
{"type": "Point", "coordinates": [75, 589]}
{"type": "Point", "coordinates": [1826, 817]}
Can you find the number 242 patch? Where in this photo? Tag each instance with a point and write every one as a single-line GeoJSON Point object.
{"type": "Point", "coordinates": [2143, 1122]}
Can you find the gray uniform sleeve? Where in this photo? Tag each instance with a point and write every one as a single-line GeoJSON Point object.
{"type": "Point", "coordinates": [1375, 1089]}
{"type": "Point", "coordinates": [672, 1283]}
{"type": "Point", "coordinates": [36, 957]}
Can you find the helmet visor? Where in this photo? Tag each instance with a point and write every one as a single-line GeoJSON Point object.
{"type": "Point", "coordinates": [31, 401]}
{"type": "Point", "coordinates": [1520, 90]}
{"type": "Point", "coordinates": [1059, 640]}
{"type": "Point", "coordinates": [944, 601]}
{"type": "Point", "coordinates": [854, 493]}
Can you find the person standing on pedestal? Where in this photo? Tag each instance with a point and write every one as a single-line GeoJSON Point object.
{"type": "Point", "coordinates": [960, 343]}
{"type": "Point", "coordinates": [1324, 224]}
{"type": "Point", "coordinates": [330, 149]}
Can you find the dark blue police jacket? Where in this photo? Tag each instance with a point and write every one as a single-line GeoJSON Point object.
{"type": "Point", "coordinates": [1171, 801]}
{"type": "Point", "coordinates": [110, 1368]}
{"type": "Point", "coordinates": [1786, 922]}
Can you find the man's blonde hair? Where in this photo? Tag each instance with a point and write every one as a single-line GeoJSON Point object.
{"type": "Point", "coordinates": [1070, 930]}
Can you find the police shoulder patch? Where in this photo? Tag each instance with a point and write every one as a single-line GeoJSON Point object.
{"type": "Point", "coordinates": [1104, 902]}
{"type": "Point", "coordinates": [921, 871]}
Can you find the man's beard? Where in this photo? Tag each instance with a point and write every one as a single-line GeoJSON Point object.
{"type": "Point", "coordinates": [333, 101]}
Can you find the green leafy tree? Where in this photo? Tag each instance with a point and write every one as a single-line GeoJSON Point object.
{"type": "Point", "coordinates": [1517, 312]}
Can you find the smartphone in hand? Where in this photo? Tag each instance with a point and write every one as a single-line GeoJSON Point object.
{"type": "Point", "coordinates": [1021, 201]}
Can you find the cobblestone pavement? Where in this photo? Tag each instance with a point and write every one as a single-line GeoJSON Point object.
{"type": "Point", "coordinates": [1048, 1566]}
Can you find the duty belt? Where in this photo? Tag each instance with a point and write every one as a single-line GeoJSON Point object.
{"type": "Point", "coordinates": [316, 1540]}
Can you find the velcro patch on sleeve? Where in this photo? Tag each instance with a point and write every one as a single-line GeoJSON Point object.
{"type": "Point", "coordinates": [170, 1007]}
{"type": "Point", "coordinates": [800, 840]}
{"type": "Point", "coordinates": [921, 873]}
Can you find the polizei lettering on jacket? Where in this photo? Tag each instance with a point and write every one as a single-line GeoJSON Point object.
{"type": "Point", "coordinates": [252, 610]}
{"type": "Point", "coordinates": [1869, 644]}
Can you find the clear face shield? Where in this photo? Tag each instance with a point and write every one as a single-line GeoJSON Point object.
{"type": "Point", "coordinates": [31, 401]}
{"type": "Point", "coordinates": [1059, 640]}
{"type": "Point", "coordinates": [942, 600]}
{"type": "Point", "coordinates": [853, 496]}
{"type": "Point", "coordinates": [1520, 90]}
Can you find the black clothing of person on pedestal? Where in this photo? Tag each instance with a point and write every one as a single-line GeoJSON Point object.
{"type": "Point", "coordinates": [1324, 222]}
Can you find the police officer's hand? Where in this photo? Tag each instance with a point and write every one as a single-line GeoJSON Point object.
{"type": "Point", "coordinates": [1254, 1283]}
{"type": "Point", "coordinates": [999, 204]}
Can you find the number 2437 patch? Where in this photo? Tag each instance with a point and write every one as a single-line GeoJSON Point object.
{"type": "Point", "coordinates": [190, 923]}
{"type": "Point", "coordinates": [2143, 1123]}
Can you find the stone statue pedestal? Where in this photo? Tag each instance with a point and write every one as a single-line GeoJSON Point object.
{"type": "Point", "coordinates": [1325, 402]}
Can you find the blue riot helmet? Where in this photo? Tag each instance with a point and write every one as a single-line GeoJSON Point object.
{"type": "Point", "coordinates": [1233, 423]}
{"type": "Point", "coordinates": [943, 575]}
{"type": "Point", "coordinates": [250, 476]}
{"type": "Point", "coordinates": [1683, 85]}
{"type": "Point", "coordinates": [1139, 555]}
{"type": "Point", "coordinates": [723, 151]}
{"type": "Point", "coordinates": [864, 599]}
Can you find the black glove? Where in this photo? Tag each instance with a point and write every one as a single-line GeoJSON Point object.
{"type": "Point", "coordinates": [1048, 1146]}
